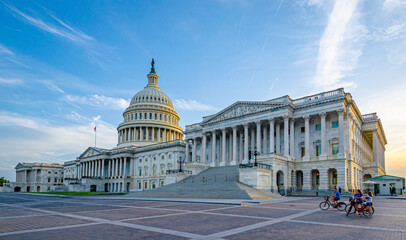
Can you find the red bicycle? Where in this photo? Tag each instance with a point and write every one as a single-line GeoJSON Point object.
{"type": "Point", "coordinates": [326, 204]}
{"type": "Point", "coordinates": [355, 206]}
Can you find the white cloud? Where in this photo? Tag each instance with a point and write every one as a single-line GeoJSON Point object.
{"type": "Point", "coordinates": [51, 86]}
{"type": "Point", "coordinates": [5, 51]}
{"type": "Point", "coordinates": [11, 81]}
{"type": "Point", "coordinates": [392, 4]}
{"type": "Point", "coordinates": [34, 139]}
{"type": "Point", "coordinates": [63, 30]}
{"type": "Point", "coordinates": [340, 46]}
{"type": "Point", "coordinates": [393, 32]}
{"type": "Point", "coordinates": [192, 105]}
{"type": "Point", "coordinates": [99, 101]}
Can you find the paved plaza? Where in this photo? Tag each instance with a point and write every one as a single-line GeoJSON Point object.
{"type": "Point", "coordinates": [30, 216]}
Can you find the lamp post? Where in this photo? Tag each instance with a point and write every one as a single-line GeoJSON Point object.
{"type": "Point", "coordinates": [255, 157]}
{"type": "Point", "coordinates": [180, 164]}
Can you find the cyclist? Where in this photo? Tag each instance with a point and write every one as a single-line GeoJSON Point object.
{"type": "Point", "coordinates": [368, 201]}
{"type": "Point", "coordinates": [337, 196]}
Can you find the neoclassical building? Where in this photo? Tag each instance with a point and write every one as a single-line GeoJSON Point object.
{"type": "Point", "coordinates": [149, 144]}
{"type": "Point", "coordinates": [311, 143]}
{"type": "Point", "coordinates": [38, 177]}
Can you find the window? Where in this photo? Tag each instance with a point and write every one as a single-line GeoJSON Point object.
{"type": "Point", "coordinates": [318, 127]}
{"type": "Point", "coordinates": [302, 129]}
{"type": "Point", "coordinates": [49, 180]}
{"type": "Point", "coordinates": [136, 116]}
{"type": "Point", "coordinates": [160, 116]}
{"type": "Point", "coordinates": [56, 180]}
{"type": "Point", "coordinates": [140, 115]}
{"type": "Point", "coordinates": [145, 115]}
{"type": "Point", "coordinates": [334, 124]}
{"type": "Point", "coordinates": [150, 115]}
{"type": "Point", "coordinates": [132, 116]}
{"type": "Point", "coordinates": [302, 151]}
{"type": "Point", "coordinates": [318, 150]}
{"type": "Point", "coordinates": [140, 171]}
{"type": "Point", "coordinates": [156, 116]}
{"type": "Point", "coordinates": [334, 148]}
{"type": "Point", "coordinates": [139, 185]}
{"type": "Point", "coordinates": [162, 183]}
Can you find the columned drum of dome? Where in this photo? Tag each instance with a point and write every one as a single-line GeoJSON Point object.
{"type": "Point", "coordinates": [150, 118]}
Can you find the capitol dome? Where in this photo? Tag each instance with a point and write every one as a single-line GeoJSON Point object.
{"type": "Point", "coordinates": [150, 118]}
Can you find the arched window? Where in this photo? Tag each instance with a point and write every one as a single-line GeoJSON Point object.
{"type": "Point", "coordinates": [140, 115]}
{"type": "Point", "coordinates": [156, 116]}
{"type": "Point", "coordinates": [132, 116]}
{"type": "Point", "coordinates": [165, 118]}
{"type": "Point", "coordinates": [146, 170]}
{"type": "Point", "coordinates": [169, 166]}
{"type": "Point", "coordinates": [140, 171]}
{"type": "Point", "coordinates": [136, 116]}
{"type": "Point", "coordinates": [160, 117]}
{"type": "Point", "coordinates": [145, 115]}
{"type": "Point", "coordinates": [154, 170]}
{"type": "Point", "coordinates": [150, 115]}
{"type": "Point", "coordinates": [162, 169]}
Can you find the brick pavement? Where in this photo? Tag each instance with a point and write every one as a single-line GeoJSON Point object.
{"type": "Point", "coordinates": [24, 216]}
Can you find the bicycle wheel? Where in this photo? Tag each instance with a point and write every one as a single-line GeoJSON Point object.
{"type": "Point", "coordinates": [341, 206]}
{"type": "Point", "coordinates": [373, 210]}
{"type": "Point", "coordinates": [324, 205]}
{"type": "Point", "coordinates": [350, 209]}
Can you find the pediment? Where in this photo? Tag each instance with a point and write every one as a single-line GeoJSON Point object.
{"type": "Point", "coordinates": [239, 109]}
{"type": "Point", "coordinates": [90, 151]}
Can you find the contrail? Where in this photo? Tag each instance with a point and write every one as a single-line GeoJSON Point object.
{"type": "Point", "coordinates": [277, 10]}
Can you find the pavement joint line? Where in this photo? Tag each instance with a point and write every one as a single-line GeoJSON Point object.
{"type": "Point", "coordinates": [286, 208]}
{"type": "Point", "coordinates": [48, 229]}
{"type": "Point", "coordinates": [259, 225]}
{"type": "Point", "coordinates": [114, 222]}
{"type": "Point", "coordinates": [149, 217]}
{"type": "Point", "coordinates": [236, 215]}
{"type": "Point", "coordinates": [347, 225]}
{"type": "Point", "coordinates": [22, 216]}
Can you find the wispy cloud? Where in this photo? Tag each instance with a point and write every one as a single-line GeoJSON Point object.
{"type": "Point", "coordinates": [192, 105]}
{"type": "Point", "coordinates": [393, 32]}
{"type": "Point", "coordinates": [5, 51]}
{"type": "Point", "coordinates": [99, 101]}
{"type": "Point", "coordinates": [60, 28]}
{"type": "Point", "coordinates": [39, 140]}
{"type": "Point", "coordinates": [340, 46]}
{"type": "Point", "coordinates": [11, 81]}
{"type": "Point", "coordinates": [392, 4]}
{"type": "Point", "coordinates": [51, 86]}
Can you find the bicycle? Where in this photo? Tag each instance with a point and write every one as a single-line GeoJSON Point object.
{"type": "Point", "coordinates": [354, 207]}
{"type": "Point", "coordinates": [326, 204]}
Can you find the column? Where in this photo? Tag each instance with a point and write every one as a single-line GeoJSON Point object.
{"type": "Point", "coordinates": [187, 151]}
{"type": "Point", "coordinates": [286, 136]}
{"type": "Point", "coordinates": [124, 168]}
{"type": "Point", "coordinates": [292, 137]}
{"type": "Point", "coordinates": [264, 141]}
{"type": "Point", "coordinates": [194, 150]}
{"type": "Point", "coordinates": [252, 141]}
{"type": "Point", "coordinates": [278, 138]}
{"type": "Point", "coordinates": [271, 136]}
{"type": "Point", "coordinates": [234, 157]}
{"type": "Point", "coordinates": [102, 168]}
{"type": "Point", "coordinates": [121, 167]}
{"type": "Point", "coordinates": [109, 169]}
{"type": "Point", "coordinates": [153, 134]}
{"type": "Point", "coordinates": [245, 143]}
{"type": "Point", "coordinates": [241, 147]}
{"type": "Point", "coordinates": [341, 132]}
{"type": "Point", "coordinates": [132, 167]}
{"type": "Point", "coordinates": [258, 136]}
{"type": "Point", "coordinates": [375, 148]}
{"type": "Point", "coordinates": [116, 167]}
{"type": "Point", "coordinates": [323, 134]}
{"type": "Point", "coordinates": [307, 137]}
{"type": "Point", "coordinates": [204, 142]}
{"type": "Point", "coordinates": [213, 149]}
{"type": "Point", "coordinates": [223, 147]}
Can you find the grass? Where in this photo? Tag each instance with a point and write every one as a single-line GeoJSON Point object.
{"type": "Point", "coordinates": [80, 193]}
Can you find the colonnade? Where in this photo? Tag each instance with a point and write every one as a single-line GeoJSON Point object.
{"type": "Point", "coordinates": [154, 134]}
{"type": "Point", "coordinates": [245, 138]}
{"type": "Point", "coordinates": [115, 168]}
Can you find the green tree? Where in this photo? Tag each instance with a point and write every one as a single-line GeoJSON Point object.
{"type": "Point", "coordinates": [3, 180]}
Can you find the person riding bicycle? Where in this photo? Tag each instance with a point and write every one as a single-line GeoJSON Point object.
{"type": "Point", "coordinates": [335, 196]}
{"type": "Point", "coordinates": [368, 201]}
{"type": "Point", "coordinates": [358, 196]}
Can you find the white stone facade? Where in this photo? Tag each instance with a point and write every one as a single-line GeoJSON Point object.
{"type": "Point", "coordinates": [312, 143]}
{"type": "Point", "coordinates": [38, 177]}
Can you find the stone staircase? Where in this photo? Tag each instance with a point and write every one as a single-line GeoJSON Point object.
{"type": "Point", "coordinates": [213, 183]}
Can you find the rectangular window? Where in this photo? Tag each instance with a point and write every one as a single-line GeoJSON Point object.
{"type": "Point", "coordinates": [150, 115]}
{"type": "Point", "coordinates": [334, 124]}
{"type": "Point", "coordinates": [140, 115]}
{"type": "Point", "coordinates": [318, 150]}
{"type": "Point", "coordinates": [334, 148]}
{"type": "Point", "coordinates": [302, 130]}
{"type": "Point", "coordinates": [318, 127]}
{"type": "Point", "coordinates": [302, 151]}
{"type": "Point", "coordinates": [145, 116]}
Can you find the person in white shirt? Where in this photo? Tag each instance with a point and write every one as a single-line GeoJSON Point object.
{"type": "Point", "coordinates": [368, 201]}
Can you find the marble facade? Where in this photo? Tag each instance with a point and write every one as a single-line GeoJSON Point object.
{"type": "Point", "coordinates": [312, 143]}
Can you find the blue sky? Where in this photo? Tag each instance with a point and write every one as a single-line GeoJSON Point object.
{"type": "Point", "coordinates": [67, 65]}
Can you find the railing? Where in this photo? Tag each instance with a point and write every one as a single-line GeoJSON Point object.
{"type": "Point", "coordinates": [319, 96]}
{"type": "Point", "coordinates": [178, 171]}
{"type": "Point", "coordinates": [91, 177]}
{"type": "Point", "coordinates": [259, 165]}
{"type": "Point", "coordinates": [70, 179]}
{"type": "Point", "coordinates": [369, 117]}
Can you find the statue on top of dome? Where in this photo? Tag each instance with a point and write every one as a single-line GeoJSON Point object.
{"type": "Point", "coordinates": [152, 66]}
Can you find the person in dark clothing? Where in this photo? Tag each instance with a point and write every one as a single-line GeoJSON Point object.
{"type": "Point", "coordinates": [339, 189]}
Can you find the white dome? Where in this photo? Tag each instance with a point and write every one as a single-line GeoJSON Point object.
{"type": "Point", "coordinates": [151, 94]}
